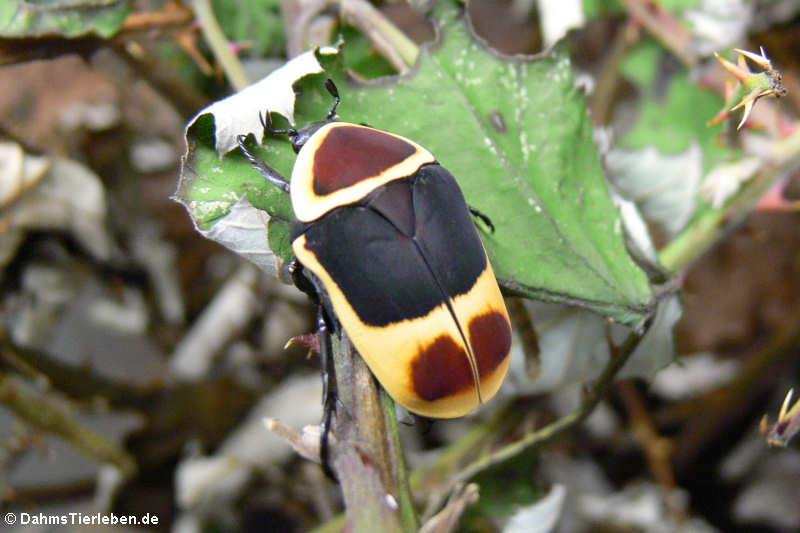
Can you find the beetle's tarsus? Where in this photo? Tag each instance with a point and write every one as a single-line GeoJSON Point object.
{"type": "Point", "coordinates": [335, 93]}
{"type": "Point", "coordinates": [485, 218]}
{"type": "Point", "coordinates": [266, 122]}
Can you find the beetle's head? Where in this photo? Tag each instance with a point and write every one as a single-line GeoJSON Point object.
{"type": "Point", "coordinates": [300, 136]}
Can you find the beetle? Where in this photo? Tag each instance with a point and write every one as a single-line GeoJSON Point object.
{"type": "Point", "coordinates": [384, 235]}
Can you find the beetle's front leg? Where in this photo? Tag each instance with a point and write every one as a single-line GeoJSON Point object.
{"type": "Point", "coordinates": [269, 173]}
{"type": "Point", "coordinates": [482, 216]}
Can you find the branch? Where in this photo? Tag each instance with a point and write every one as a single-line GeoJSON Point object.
{"type": "Point", "coordinates": [363, 454]}
{"type": "Point", "coordinates": [52, 413]}
{"type": "Point", "coordinates": [219, 44]}
{"type": "Point", "coordinates": [712, 225]}
{"type": "Point", "coordinates": [388, 40]}
{"type": "Point", "coordinates": [537, 438]}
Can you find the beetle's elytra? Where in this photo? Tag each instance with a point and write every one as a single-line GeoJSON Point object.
{"type": "Point", "coordinates": [391, 247]}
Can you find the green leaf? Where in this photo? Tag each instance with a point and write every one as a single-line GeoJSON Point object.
{"type": "Point", "coordinates": [516, 135]}
{"type": "Point", "coordinates": [70, 18]}
{"type": "Point", "coordinates": [674, 112]}
{"type": "Point", "coordinates": [669, 129]}
{"type": "Point", "coordinates": [258, 22]}
{"type": "Point", "coordinates": [514, 132]}
{"type": "Point", "coordinates": [361, 57]}
{"type": "Point", "coordinates": [597, 8]}
{"type": "Point", "coordinates": [226, 197]}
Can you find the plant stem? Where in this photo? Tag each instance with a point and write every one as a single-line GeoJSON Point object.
{"type": "Point", "coordinates": [383, 35]}
{"type": "Point", "coordinates": [713, 224]}
{"type": "Point", "coordinates": [219, 45]}
{"type": "Point", "coordinates": [536, 438]}
{"type": "Point", "coordinates": [664, 27]}
{"type": "Point", "coordinates": [400, 473]}
{"type": "Point", "coordinates": [440, 471]}
{"type": "Point", "coordinates": [367, 461]}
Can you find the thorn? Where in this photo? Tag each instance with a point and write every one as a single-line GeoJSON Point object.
{"type": "Point", "coordinates": [306, 340]}
{"type": "Point", "coordinates": [747, 108]}
{"type": "Point", "coordinates": [787, 425]}
{"type": "Point", "coordinates": [761, 60]}
{"type": "Point", "coordinates": [741, 73]}
{"type": "Point", "coordinates": [785, 406]}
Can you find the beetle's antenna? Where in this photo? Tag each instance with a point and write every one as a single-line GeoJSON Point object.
{"type": "Point", "coordinates": [335, 93]}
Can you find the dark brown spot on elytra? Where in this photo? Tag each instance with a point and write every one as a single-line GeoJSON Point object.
{"type": "Point", "coordinates": [350, 154]}
{"type": "Point", "coordinates": [490, 337]}
{"type": "Point", "coordinates": [441, 369]}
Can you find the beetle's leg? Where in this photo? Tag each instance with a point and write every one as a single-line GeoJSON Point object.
{"type": "Point", "coordinates": [482, 216]}
{"type": "Point", "coordinates": [266, 123]}
{"type": "Point", "coordinates": [324, 330]}
{"type": "Point", "coordinates": [335, 93]}
{"type": "Point", "coordinates": [328, 391]}
{"type": "Point", "coordinates": [302, 282]}
{"type": "Point", "coordinates": [269, 173]}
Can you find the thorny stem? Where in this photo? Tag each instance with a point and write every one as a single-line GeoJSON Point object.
{"type": "Point", "coordinates": [713, 224]}
{"type": "Point", "coordinates": [522, 324]}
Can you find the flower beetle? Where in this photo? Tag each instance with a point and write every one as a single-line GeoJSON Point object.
{"type": "Point", "coordinates": [385, 237]}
